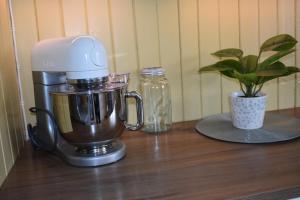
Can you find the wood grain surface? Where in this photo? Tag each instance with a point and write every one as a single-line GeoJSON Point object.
{"type": "Point", "coordinates": [180, 164]}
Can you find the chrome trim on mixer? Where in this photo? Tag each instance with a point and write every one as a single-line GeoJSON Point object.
{"type": "Point", "coordinates": [91, 160]}
{"type": "Point", "coordinates": [88, 83]}
{"type": "Point", "coordinates": [49, 78]}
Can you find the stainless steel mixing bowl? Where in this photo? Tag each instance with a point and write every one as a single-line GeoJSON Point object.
{"type": "Point", "coordinates": [89, 118]}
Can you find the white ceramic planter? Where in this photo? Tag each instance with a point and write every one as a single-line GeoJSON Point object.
{"type": "Point", "coordinates": [247, 113]}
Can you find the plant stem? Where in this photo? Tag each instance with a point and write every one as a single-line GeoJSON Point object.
{"type": "Point", "coordinates": [259, 89]}
{"type": "Point", "coordinates": [241, 86]}
{"type": "Point", "coordinates": [254, 89]}
{"type": "Point", "coordinates": [248, 90]}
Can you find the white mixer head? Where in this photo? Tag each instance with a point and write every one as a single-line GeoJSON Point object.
{"type": "Point", "coordinates": [81, 57]}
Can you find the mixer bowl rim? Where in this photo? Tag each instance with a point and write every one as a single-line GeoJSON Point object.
{"type": "Point", "coordinates": [71, 90]}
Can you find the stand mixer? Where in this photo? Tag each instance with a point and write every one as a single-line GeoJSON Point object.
{"type": "Point", "coordinates": [81, 109]}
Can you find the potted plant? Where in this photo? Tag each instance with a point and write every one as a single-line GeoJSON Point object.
{"type": "Point", "coordinates": [248, 105]}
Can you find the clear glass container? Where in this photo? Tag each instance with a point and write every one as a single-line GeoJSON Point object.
{"type": "Point", "coordinates": [155, 90]}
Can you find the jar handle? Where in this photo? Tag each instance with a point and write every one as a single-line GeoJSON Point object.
{"type": "Point", "coordinates": [139, 109]}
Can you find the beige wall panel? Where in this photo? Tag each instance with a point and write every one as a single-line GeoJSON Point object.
{"type": "Point", "coordinates": [13, 104]}
{"type": "Point", "coordinates": [209, 43]}
{"type": "Point", "coordinates": [124, 40]}
{"type": "Point", "coordinates": [74, 13]}
{"type": "Point", "coordinates": [268, 28]}
{"type": "Point", "coordinates": [3, 172]}
{"type": "Point", "coordinates": [6, 149]}
{"type": "Point", "coordinates": [286, 24]}
{"type": "Point", "coordinates": [189, 42]}
{"type": "Point", "coordinates": [7, 157]}
{"type": "Point", "coordinates": [49, 19]}
{"type": "Point", "coordinates": [27, 87]}
{"type": "Point", "coordinates": [13, 100]}
{"type": "Point", "coordinates": [98, 17]}
{"type": "Point", "coordinates": [11, 128]}
{"type": "Point", "coordinates": [26, 36]}
{"type": "Point", "coordinates": [147, 32]}
{"type": "Point", "coordinates": [229, 37]}
{"type": "Point", "coordinates": [298, 52]}
{"type": "Point", "coordinates": [19, 127]}
{"type": "Point", "coordinates": [170, 52]}
{"type": "Point", "coordinates": [147, 39]}
{"type": "Point", "coordinates": [4, 132]}
{"type": "Point", "coordinates": [18, 112]}
{"type": "Point", "coordinates": [249, 26]}
{"type": "Point", "coordinates": [8, 72]}
{"type": "Point", "coordinates": [124, 36]}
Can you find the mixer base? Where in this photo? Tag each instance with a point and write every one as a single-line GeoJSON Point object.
{"type": "Point", "coordinates": [76, 158]}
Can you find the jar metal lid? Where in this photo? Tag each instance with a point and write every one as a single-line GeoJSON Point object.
{"type": "Point", "coordinates": [154, 71]}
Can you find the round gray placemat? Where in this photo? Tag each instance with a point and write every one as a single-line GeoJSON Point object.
{"type": "Point", "coordinates": [276, 128]}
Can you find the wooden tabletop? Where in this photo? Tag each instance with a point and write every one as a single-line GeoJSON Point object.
{"type": "Point", "coordinates": [180, 164]}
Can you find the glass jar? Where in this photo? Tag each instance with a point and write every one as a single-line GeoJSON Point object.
{"type": "Point", "coordinates": [154, 88]}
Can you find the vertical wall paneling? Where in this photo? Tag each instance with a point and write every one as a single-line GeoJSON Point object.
{"type": "Point", "coordinates": [189, 43]}
{"type": "Point", "coordinates": [268, 28]}
{"type": "Point", "coordinates": [3, 171]}
{"type": "Point", "coordinates": [4, 131]}
{"type": "Point", "coordinates": [229, 38]}
{"type": "Point", "coordinates": [298, 52]}
{"type": "Point", "coordinates": [124, 38]}
{"type": "Point", "coordinates": [8, 83]}
{"type": "Point", "coordinates": [98, 17]}
{"type": "Point", "coordinates": [26, 34]}
{"type": "Point", "coordinates": [74, 13]}
{"type": "Point", "coordinates": [12, 100]}
{"type": "Point", "coordinates": [147, 33]}
{"type": "Point", "coordinates": [170, 52]}
{"type": "Point", "coordinates": [180, 35]}
{"type": "Point", "coordinates": [249, 32]}
{"type": "Point", "coordinates": [5, 147]}
{"type": "Point", "coordinates": [50, 24]}
{"type": "Point", "coordinates": [11, 126]}
{"type": "Point", "coordinates": [286, 23]}
{"type": "Point", "coordinates": [209, 43]}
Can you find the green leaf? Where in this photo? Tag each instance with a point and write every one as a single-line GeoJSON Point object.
{"type": "Point", "coordinates": [267, 78]}
{"type": "Point", "coordinates": [274, 58]}
{"type": "Point", "coordinates": [214, 67]}
{"type": "Point", "coordinates": [229, 74]}
{"type": "Point", "coordinates": [275, 69]}
{"type": "Point", "coordinates": [288, 71]}
{"type": "Point", "coordinates": [224, 65]}
{"type": "Point", "coordinates": [291, 70]}
{"type": "Point", "coordinates": [247, 79]}
{"type": "Point", "coordinates": [230, 52]}
{"type": "Point", "coordinates": [250, 63]}
{"type": "Point", "coordinates": [281, 42]}
{"type": "Point", "coordinates": [272, 72]}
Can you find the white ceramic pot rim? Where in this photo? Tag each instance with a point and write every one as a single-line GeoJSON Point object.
{"type": "Point", "coordinates": [241, 95]}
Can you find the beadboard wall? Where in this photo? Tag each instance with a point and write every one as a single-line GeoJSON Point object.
{"type": "Point", "coordinates": [177, 34]}
{"type": "Point", "coordinates": [11, 121]}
